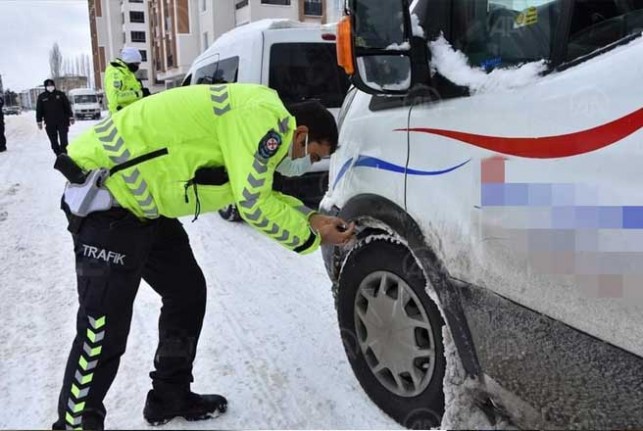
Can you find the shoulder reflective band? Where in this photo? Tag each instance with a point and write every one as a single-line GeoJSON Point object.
{"type": "Point", "coordinates": [138, 160]}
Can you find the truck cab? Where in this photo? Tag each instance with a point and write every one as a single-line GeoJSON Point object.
{"type": "Point", "coordinates": [490, 152]}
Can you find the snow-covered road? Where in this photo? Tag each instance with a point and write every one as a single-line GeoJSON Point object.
{"type": "Point", "coordinates": [270, 341]}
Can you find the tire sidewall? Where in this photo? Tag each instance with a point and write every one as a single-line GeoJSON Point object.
{"type": "Point", "coordinates": [424, 410]}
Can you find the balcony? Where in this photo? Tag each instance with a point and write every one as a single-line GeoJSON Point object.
{"type": "Point", "coordinates": [312, 8]}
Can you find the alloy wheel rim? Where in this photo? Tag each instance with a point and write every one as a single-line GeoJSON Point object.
{"type": "Point", "coordinates": [394, 334]}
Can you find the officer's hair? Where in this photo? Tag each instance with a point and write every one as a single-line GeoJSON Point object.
{"type": "Point", "coordinates": [320, 122]}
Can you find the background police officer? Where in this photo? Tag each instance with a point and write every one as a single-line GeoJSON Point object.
{"type": "Point", "coordinates": [122, 87]}
{"type": "Point", "coordinates": [221, 147]}
{"type": "Point", "coordinates": [53, 107]}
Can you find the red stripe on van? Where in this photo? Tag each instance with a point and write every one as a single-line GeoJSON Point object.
{"type": "Point", "coordinates": [549, 147]}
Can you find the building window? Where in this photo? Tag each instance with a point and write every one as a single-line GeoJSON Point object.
{"type": "Point", "coordinates": [138, 36]}
{"type": "Point", "coordinates": [205, 41]}
{"type": "Point", "coordinates": [143, 54]}
{"type": "Point", "coordinates": [124, 37]}
{"type": "Point", "coordinates": [313, 7]}
{"type": "Point", "coordinates": [135, 16]}
{"type": "Point", "coordinates": [277, 2]}
{"type": "Point", "coordinates": [242, 3]}
{"type": "Point", "coordinates": [136, 1]}
{"type": "Point", "coordinates": [204, 5]}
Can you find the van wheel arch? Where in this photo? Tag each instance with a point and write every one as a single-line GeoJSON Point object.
{"type": "Point", "coordinates": [377, 214]}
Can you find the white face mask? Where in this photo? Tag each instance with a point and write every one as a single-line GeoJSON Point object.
{"type": "Point", "coordinates": [50, 89]}
{"type": "Point", "coordinates": [290, 167]}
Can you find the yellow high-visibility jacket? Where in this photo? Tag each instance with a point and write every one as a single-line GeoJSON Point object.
{"type": "Point", "coordinates": [243, 128]}
{"type": "Point", "coordinates": [122, 87]}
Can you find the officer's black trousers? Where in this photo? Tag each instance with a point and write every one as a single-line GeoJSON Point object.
{"type": "Point", "coordinates": [114, 250]}
{"type": "Point", "coordinates": [54, 132]}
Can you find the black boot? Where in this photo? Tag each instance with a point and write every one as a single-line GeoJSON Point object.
{"type": "Point", "coordinates": [160, 407]}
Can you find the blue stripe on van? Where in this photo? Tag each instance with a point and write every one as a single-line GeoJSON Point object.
{"type": "Point", "coordinates": [373, 162]}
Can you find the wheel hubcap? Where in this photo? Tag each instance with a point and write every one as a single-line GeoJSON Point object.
{"type": "Point", "coordinates": [394, 334]}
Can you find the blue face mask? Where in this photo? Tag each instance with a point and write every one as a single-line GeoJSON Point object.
{"type": "Point", "coordinates": [290, 167]}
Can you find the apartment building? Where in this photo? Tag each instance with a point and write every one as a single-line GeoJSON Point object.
{"type": "Point", "coordinates": [114, 24]}
{"type": "Point", "coordinates": [182, 29]}
{"type": "Point", "coordinates": [174, 28]}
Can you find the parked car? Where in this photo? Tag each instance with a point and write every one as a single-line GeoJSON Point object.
{"type": "Point", "coordinates": [12, 110]}
{"type": "Point", "coordinates": [84, 103]}
{"type": "Point", "coordinates": [495, 178]}
{"type": "Point", "coordinates": [299, 61]}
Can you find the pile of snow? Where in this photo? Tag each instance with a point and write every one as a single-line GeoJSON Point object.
{"type": "Point", "coordinates": [461, 412]}
{"type": "Point", "coordinates": [454, 66]}
{"type": "Point", "coordinates": [417, 28]}
{"type": "Point", "coordinates": [404, 46]}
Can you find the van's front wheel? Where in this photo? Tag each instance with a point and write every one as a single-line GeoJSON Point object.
{"type": "Point", "coordinates": [392, 332]}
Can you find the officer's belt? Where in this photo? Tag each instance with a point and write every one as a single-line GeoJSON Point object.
{"type": "Point", "coordinates": [85, 192]}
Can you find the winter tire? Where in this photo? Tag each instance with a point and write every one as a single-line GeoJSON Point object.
{"type": "Point", "coordinates": [230, 213]}
{"type": "Point", "coordinates": [392, 332]}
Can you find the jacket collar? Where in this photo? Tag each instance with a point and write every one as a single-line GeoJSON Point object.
{"type": "Point", "coordinates": [120, 63]}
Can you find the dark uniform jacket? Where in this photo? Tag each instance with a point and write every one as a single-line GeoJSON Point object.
{"type": "Point", "coordinates": [54, 108]}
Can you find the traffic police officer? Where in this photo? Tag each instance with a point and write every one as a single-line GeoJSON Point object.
{"type": "Point", "coordinates": [186, 151]}
{"type": "Point", "coordinates": [122, 87]}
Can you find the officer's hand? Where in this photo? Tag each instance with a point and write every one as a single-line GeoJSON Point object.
{"type": "Point", "coordinates": [146, 92]}
{"type": "Point", "coordinates": [72, 121]}
{"type": "Point", "coordinates": [333, 230]}
{"type": "Point", "coordinates": [39, 126]}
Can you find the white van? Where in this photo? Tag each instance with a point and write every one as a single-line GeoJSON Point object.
{"type": "Point", "coordinates": [298, 60]}
{"type": "Point", "coordinates": [84, 103]}
{"type": "Point", "coordinates": [492, 155]}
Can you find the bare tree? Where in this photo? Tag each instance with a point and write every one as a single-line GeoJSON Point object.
{"type": "Point", "coordinates": [88, 67]}
{"type": "Point", "coordinates": [55, 61]}
{"type": "Point", "coordinates": [68, 67]}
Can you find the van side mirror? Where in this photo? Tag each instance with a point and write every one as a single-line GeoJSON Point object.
{"type": "Point", "coordinates": [374, 46]}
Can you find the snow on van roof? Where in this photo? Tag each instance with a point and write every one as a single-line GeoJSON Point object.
{"type": "Point", "coordinates": [262, 25]}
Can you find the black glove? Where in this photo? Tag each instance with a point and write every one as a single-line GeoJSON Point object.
{"type": "Point", "coordinates": [146, 92]}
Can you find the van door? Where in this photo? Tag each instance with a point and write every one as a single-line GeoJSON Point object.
{"type": "Point", "coordinates": [532, 183]}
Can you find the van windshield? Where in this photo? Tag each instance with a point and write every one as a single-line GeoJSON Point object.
{"type": "Point", "coordinates": [85, 98]}
{"type": "Point", "coordinates": [304, 71]}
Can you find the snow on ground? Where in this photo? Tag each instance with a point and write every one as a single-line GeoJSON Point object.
{"type": "Point", "coordinates": [270, 341]}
